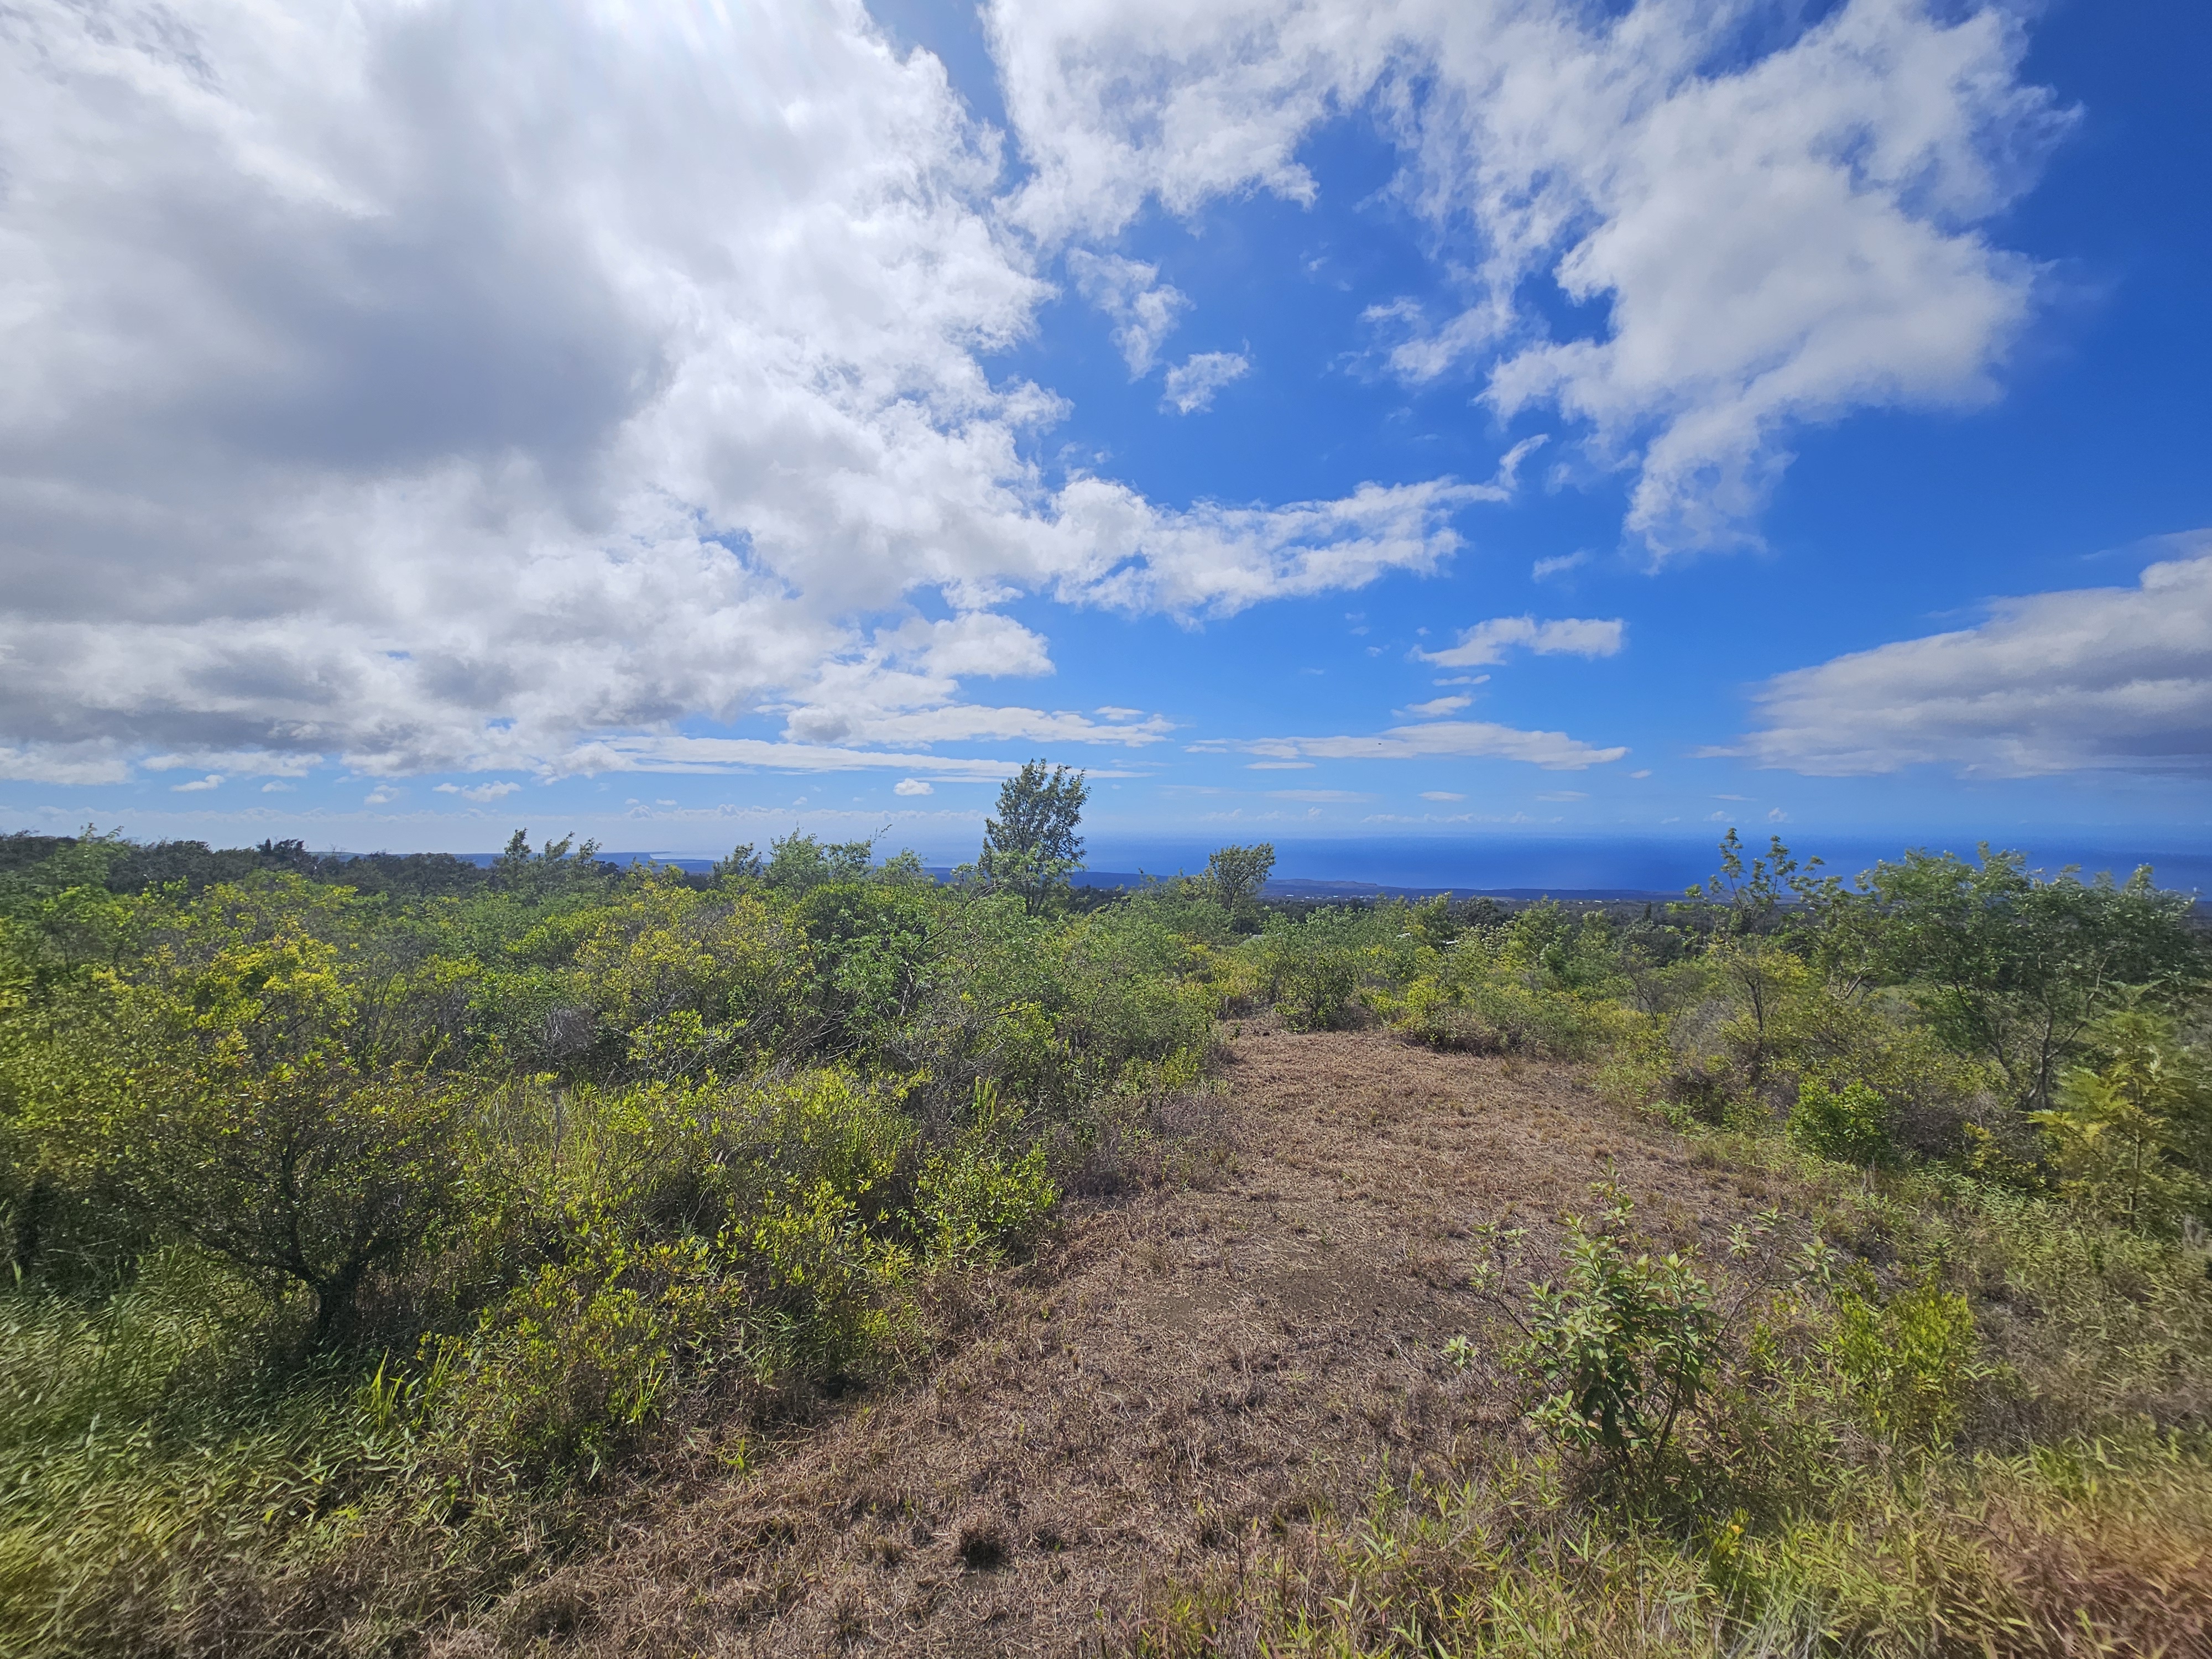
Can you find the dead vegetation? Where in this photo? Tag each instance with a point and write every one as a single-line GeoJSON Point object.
{"type": "Point", "coordinates": [1187, 1378]}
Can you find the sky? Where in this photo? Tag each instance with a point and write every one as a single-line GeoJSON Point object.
{"type": "Point", "coordinates": [1463, 425]}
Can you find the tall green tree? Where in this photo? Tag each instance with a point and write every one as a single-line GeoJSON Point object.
{"type": "Point", "coordinates": [1031, 846]}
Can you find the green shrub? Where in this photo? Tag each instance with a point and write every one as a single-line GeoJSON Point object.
{"type": "Point", "coordinates": [1908, 1362]}
{"type": "Point", "coordinates": [584, 1354]}
{"type": "Point", "coordinates": [1313, 970]}
{"type": "Point", "coordinates": [973, 1202]}
{"type": "Point", "coordinates": [1850, 1124]}
{"type": "Point", "coordinates": [1619, 1353]}
{"type": "Point", "coordinates": [273, 1106]}
{"type": "Point", "coordinates": [2134, 1135]}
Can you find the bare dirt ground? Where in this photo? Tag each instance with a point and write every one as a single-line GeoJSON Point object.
{"type": "Point", "coordinates": [1181, 1370]}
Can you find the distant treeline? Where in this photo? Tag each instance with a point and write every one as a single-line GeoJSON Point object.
{"type": "Point", "coordinates": [140, 866]}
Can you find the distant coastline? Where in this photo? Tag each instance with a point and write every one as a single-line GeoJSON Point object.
{"type": "Point", "coordinates": [1528, 868]}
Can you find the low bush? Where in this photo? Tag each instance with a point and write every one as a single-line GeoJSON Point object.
{"type": "Point", "coordinates": [1850, 1124]}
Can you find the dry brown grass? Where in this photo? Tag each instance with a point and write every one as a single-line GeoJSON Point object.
{"type": "Point", "coordinates": [1189, 1372]}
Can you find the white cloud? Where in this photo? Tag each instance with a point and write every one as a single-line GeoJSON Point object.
{"type": "Point", "coordinates": [1775, 212]}
{"type": "Point", "coordinates": [393, 385]}
{"type": "Point", "coordinates": [1440, 739]}
{"type": "Point", "coordinates": [480, 792]}
{"type": "Point", "coordinates": [912, 786]}
{"type": "Point", "coordinates": [977, 644]}
{"type": "Point", "coordinates": [2099, 678]}
{"type": "Point", "coordinates": [1441, 794]}
{"type": "Point", "coordinates": [1190, 385]}
{"type": "Point", "coordinates": [678, 753]}
{"type": "Point", "coordinates": [1565, 795]}
{"type": "Point", "coordinates": [246, 763]}
{"type": "Point", "coordinates": [1544, 569]}
{"type": "Point", "coordinates": [1143, 309]}
{"type": "Point", "coordinates": [212, 780]}
{"type": "Point", "coordinates": [971, 722]}
{"type": "Point", "coordinates": [63, 762]}
{"type": "Point", "coordinates": [1436, 707]}
{"type": "Point", "coordinates": [1489, 641]}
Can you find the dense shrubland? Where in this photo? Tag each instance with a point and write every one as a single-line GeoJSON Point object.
{"type": "Point", "coordinates": [357, 1230]}
{"type": "Point", "coordinates": [352, 1234]}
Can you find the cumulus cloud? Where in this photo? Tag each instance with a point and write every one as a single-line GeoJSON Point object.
{"type": "Point", "coordinates": [1190, 385]}
{"type": "Point", "coordinates": [1217, 559]}
{"type": "Point", "coordinates": [422, 385]}
{"type": "Point", "coordinates": [1489, 641]}
{"type": "Point", "coordinates": [1775, 212]}
{"type": "Point", "coordinates": [2098, 678]}
{"type": "Point", "coordinates": [480, 792]}
{"type": "Point", "coordinates": [1143, 309]}
{"type": "Point", "coordinates": [912, 786]}
{"type": "Point", "coordinates": [1436, 740]}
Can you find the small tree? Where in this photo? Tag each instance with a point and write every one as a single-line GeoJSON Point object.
{"type": "Point", "coordinates": [2016, 969]}
{"type": "Point", "coordinates": [743, 864]}
{"type": "Point", "coordinates": [258, 1104]}
{"type": "Point", "coordinates": [1621, 1358]}
{"type": "Point", "coordinates": [1850, 1124]}
{"type": "Point", "coordinates": [2124, 1131]}
{"type": "Point", "coordinates": [1234, 875]}
{"type": "Point", "coordinates": [1031, 846]}
{"type": "Point", "coordinates": [799, 864]}
{"type": "Point", "coordinates": [1746, 899]}
{"type": "Point", "coordinates": [553, 867]}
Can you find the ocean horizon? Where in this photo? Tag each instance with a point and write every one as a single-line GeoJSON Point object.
{"type": "Point", "coordinates": [1562, 864]}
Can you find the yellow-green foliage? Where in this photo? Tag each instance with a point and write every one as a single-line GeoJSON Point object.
{"type": "Point", "coordinates": [335, 1219]}
{"type": "Point", "coordinates": [972, 1199]}
{"type": "Point", "coordinates": [1851, 1124]}
{"type": "Point", "coordinates": [2128, 1132]}
{"type": "Point", "coordinates": [585, 1353]}
{"type": "Point", "coordinates": [1752, 1024]}
{"type": "Point", "coordinates": [2091, 1547]}
{"type": "Point", "coordinates": [1907, 1363]}
{"type": "Point", "coordinates": [1542, 984]}
{"type": "Point", "coordinates": [346, 1237]}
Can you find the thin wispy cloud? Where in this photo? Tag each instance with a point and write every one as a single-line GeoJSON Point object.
{"type": "Point", "coordinates": [1436, 740]}
{"type": "Point", "coordinates": [1492, 641]}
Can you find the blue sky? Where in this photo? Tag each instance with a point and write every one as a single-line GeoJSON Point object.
{"type": "Point", "coordinates": [1451, 426]}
